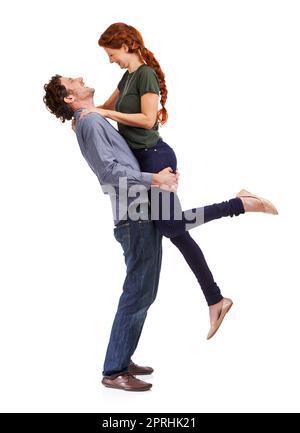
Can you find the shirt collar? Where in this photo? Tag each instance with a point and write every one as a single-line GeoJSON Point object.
{"type": "Point", "coordinates": [77, 112]}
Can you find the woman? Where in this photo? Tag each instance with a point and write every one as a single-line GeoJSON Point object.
{"type": "Point", "coordinates": [134, 106]}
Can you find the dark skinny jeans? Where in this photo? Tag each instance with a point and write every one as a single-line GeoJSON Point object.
{"type": "Point", "coordinates": [178, 223]}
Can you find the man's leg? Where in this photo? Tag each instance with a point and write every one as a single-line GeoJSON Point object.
{"type": "Point", "coordinates": [141, 243]}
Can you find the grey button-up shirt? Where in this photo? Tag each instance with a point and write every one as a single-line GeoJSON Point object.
{"type": "Point", "coordinates": [110, 158]}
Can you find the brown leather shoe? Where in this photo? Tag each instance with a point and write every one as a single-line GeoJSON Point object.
{"type": "Point", "coordinates": [126, 381]}
{"type": "Point", "coordinates": [139, 370]}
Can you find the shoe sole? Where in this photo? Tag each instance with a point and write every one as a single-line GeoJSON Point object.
{"type": "Point", "coordinates": [124, 389]}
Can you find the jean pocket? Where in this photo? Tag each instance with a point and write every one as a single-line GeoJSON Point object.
{"type": "Point", "coordinates": [162, 157]}
{"type": "Point", "coordinates": [122, 235]}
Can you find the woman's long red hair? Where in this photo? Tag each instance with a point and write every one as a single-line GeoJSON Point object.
{"type": "Point", "coordinates": [118, 34]}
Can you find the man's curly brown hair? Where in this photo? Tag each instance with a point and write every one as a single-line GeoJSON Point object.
{"type": "Point", "coordinates": [54, 99]}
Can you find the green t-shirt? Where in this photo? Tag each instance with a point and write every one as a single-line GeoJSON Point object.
{"type": "Point", "coordinates": [132, 86]}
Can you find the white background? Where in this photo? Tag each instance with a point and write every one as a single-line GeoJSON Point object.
{"type": "Point", "coordinates": [232, 71]}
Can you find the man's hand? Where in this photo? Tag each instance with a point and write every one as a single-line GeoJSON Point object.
{"type": "Point", "coordinates": [166, 179]}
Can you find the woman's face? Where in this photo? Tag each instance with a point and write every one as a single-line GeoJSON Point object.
{"type": "Point", "coordinates": [119, 56]}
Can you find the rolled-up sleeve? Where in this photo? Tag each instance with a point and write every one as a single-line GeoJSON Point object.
{"type": "Point", "coordinates": [100, 155]}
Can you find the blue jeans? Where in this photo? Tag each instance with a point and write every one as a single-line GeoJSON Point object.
{"type": "Point", "coordinates": [142, 250]}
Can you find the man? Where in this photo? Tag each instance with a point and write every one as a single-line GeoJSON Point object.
{"type": "Point", "coordinates": [109, 156]}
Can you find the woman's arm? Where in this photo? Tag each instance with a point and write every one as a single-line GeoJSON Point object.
{"type": "Point", "coordinates": [146, 119]}
{"type": "Point", "coordinates": [111, 102]}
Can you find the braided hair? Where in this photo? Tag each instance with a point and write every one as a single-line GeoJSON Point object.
{"type": "Point", "coordinates": [118, 34]}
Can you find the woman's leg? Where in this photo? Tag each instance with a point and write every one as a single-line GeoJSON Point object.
{"type": "Point", "coordinates": [177, 223]}
{"type": "Point", "coordinates": [172, 221]}
{"type": "Point", "coordinates": [165, 206]}
{"type": "Point", "coordinates": [197, 263]}
{"type": "Point", "coordinates": [154, 160]}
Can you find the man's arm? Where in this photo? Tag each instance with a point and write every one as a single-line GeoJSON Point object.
{"type": "Point", "coordinates": [100, 154]}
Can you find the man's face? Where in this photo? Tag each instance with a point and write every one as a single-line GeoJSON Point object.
{"type": "Point", "coordinates": [77, 89]}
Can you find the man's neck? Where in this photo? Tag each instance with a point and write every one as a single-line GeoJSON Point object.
{"type": "Point", "coordinates": [83, 104]}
